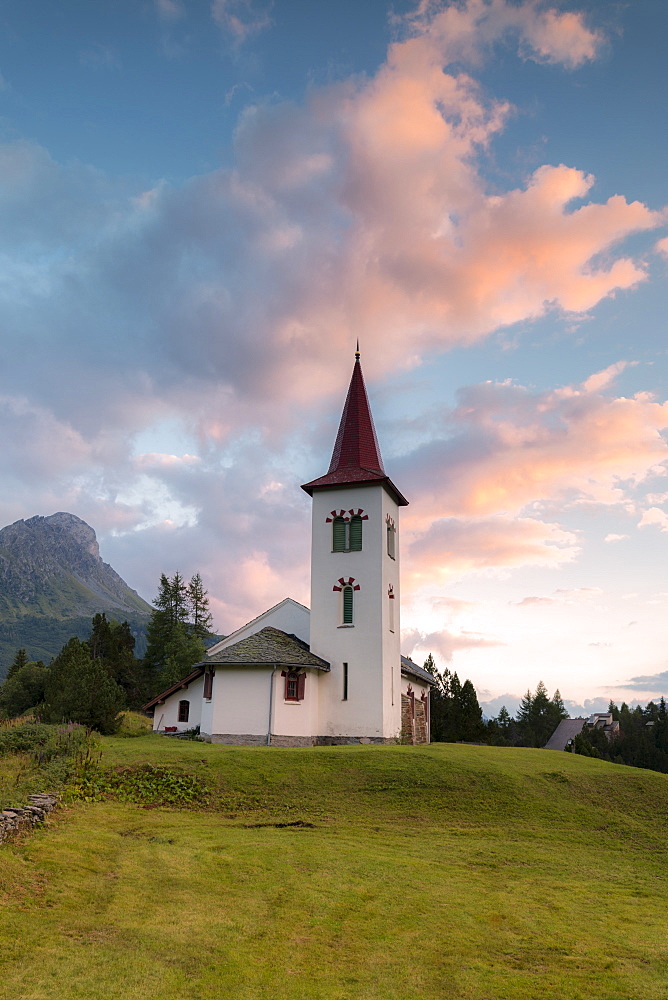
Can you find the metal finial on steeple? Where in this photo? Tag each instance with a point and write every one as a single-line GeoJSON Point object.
{"type": "Point", "coordinates": [357, 350]}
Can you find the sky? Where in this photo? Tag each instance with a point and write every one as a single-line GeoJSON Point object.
{"type": "Point", "coordinates": [204, 203]}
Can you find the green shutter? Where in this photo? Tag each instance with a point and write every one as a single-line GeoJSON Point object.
{"type": "Point", "coordinates": [347, 605]}
{"type": "Point", "coordinates": [356, 534]}
{"type": "Point", "coordinates": [338, 535]}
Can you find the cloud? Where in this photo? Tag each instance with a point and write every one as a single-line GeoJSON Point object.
{"type": "Point", "coordinates": [169, 10]}
{"type": "Point", "coordinates": [511, 447]}
{"type": "Point", "coordinates": [221, 305]}
{"type": "Point", "coordinates": [656, 684]}
{"type": "Point", "coordinates": [240, 18]}
{"type": "Point", "coordinates": [361, 211]}
{"type": "Point", "coordinates": [654, 516]}
{"type": "Point", "coordinates": [100, 57]}
{"type": "Point", "coordinates": [561, 596]}
{"type": "Point", "coordinates": [615, 538]}
{"type": "Point", "coordinates": [456, 546]}
{"type": "Point", "coordinates": [444, 643]}
{"type": "Point", "coordinates": [544, 34]}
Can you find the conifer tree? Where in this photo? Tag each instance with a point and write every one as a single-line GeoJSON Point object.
{"type": "Point", "coordinates": [79, 689]}
{"type": "Point", "coordinates": [17, 663]}
{"type": "Point", "coordinates": [173, 642]}
{"type": "Point", "coordinates": [198, 601]}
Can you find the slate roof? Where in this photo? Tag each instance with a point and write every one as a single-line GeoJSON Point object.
{"type": "Point", "coordinates": [356, 457]}
{"type": "Point", "coordinates": [411, 669]}
{"type": "Point", "coordinates": [567, 730]}
{"type": "Point", "coordinates": [269, 646]}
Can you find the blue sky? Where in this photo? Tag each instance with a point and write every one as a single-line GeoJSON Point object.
{"type": "Point", "coordinates": [204, 203]}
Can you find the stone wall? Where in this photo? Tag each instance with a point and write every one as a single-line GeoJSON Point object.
{"type": "Point", "coordinates": [340, 741]}
{"type": "Point", "coordinates": [249, 740]}
{"type": "Point", "coordinates": [13, 821]}
{"type": "Point", "coordinates": [413, 720]}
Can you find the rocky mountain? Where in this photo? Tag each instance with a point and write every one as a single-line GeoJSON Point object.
{"type": "Point", "coordinates": [52, 581]}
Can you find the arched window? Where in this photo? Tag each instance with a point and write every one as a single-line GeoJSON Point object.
{"type": "Point", "coordinates": [295, 685]}
{"type": "Point", "coordinates": [347, 533]}
{"type": "Point", "coordinates": [355, 534]}
{"type": "Point", "coordinates": [348, 605]}
{"type": "Point", "coordinates": [339, 535]}
{"type": "Point", "coordinates": [184, 711]}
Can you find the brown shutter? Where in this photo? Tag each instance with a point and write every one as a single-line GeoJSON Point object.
{"type": "Point", "coordinates": [208, 684]}
{"type": "Point", "coordinates": [301, 684]}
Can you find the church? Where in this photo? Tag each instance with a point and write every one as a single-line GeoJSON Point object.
{"type": "Point", "coordinates": [334, 674]}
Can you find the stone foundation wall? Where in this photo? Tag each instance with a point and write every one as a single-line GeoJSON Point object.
{"type": "Point", "coordinates": [293, 741]}
{"type": "Point", "coordinates": [249, 740]}
{"type": "Point", "coordinates": [13, 821]}
{"type": "Point", "coordinates": [340, 741]}
{"type": "Point", "coordinates": [236, 739]}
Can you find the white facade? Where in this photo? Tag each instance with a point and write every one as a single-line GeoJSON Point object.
{"type": "Point", "coordinates": [368, 645]}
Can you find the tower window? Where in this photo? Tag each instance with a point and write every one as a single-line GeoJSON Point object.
{"type": "Point", "coordinates": [347, 535]}
{"type": "Point", "coordinates": [347, 605]}
{"type": "Point", "coordinates": [355, 534]}
{"type": "Point", "coordinates": [339, 535]}
{"type": "Point", "coordinates": [391, 535]}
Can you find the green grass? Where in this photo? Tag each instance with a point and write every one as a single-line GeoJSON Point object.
{"type": "Point", "coordinates": [466, 873]}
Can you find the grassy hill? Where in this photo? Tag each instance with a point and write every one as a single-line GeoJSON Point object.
{"type": "Point", "coordinates": [383, 873]}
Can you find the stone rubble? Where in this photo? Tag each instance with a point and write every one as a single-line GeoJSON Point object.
{"type": "Point", "coordinates": [13, 821]}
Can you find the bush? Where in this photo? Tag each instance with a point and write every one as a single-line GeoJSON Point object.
{"type": "Point", "coordinates": [44, 742]}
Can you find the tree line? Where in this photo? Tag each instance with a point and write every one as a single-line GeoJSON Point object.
{"type": "Point", "coordinates": [456, 715]}
{"type": "Point", "coordinates": [91, 680]}
{"type": "Point", "coordinates": [642, 739]}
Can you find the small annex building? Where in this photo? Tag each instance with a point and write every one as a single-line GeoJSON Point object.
{"type": "Point", "coordinates": [333, 674]}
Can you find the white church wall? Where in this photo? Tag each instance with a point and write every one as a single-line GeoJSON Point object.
{"type": "Point", "coordinates": [296, 718]}
{"type": "Point", "coordinates": [167, 714]}
{"type": "Point", "coordinates": [240, 701]}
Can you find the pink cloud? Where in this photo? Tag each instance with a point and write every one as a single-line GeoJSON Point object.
{"type": "Point", "coordinates": [466, 30]}
{"type": "Point", "coordinates": [454, 546]}
{"type": "Point", "coordinates": [654, 516]}
{"type": "Point", "coordinates": [514, 447]}
{"type": "Point", "coordinates": [444, 643]}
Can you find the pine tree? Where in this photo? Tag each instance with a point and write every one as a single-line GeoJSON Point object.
{"type": "Point", "coordinates": [17, 663]}
{"type": "Point", "coordinates": [200, 616]}
{"type": "Point", "coordinates": [173, 646]}
{"type": "Point", "coordinates": [113, 644]}
{"type": "Point", "coordinates": [503, 719]}
{"type": "Point", "coordinates": [79, 689]}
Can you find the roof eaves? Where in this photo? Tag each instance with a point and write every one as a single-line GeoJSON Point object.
{"type": "Point", "coordinates": [196, 672]}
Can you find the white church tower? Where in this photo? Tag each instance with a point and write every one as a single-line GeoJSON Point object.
{"type": "Point", "coordinates": [355, 598]}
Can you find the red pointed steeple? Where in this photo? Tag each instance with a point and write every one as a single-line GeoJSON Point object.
{"type": "Point", "coordinates": [356, 457]}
